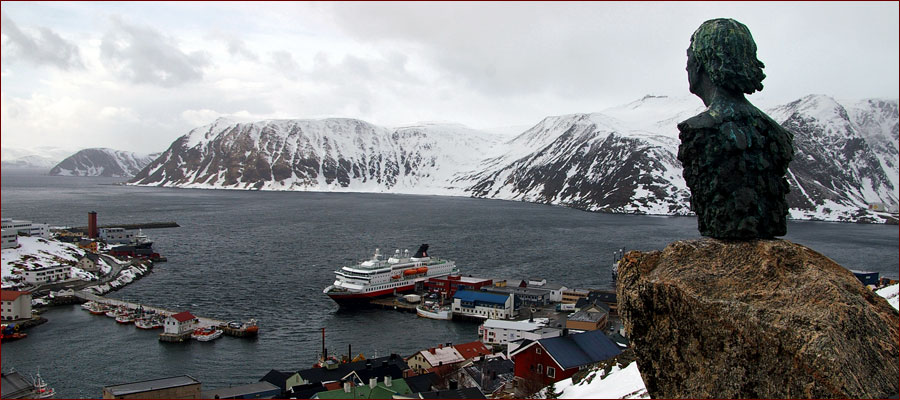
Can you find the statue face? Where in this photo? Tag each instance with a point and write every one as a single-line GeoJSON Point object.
{"type": "Point", "coordinates": [694, 71]}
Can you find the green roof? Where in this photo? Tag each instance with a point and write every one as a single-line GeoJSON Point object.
{"type": "Point", "coordinates": [380, 391]}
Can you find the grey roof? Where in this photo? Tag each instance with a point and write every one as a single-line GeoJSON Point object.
{"type": "Point", "coordinates": [465, 393]}
{"type": "Point", "coordinates": [423, 382]}
{"type": "Point", "coordinates": [492, 373]}
{"type": "Point", "coordinates": [586, 316]}
{"type": "Point", "coordinates": [14, 386]}
{"type": "Point", "coordinates": [153, 384]}
{"type": "Point", "coordinates": [313, 375]}
{"type": "Point", "coordinates": [237, 392]}
{"type": "Point", "coordinates": [531, 291]}
{"type": "Point", "coordinates": [580, 349]}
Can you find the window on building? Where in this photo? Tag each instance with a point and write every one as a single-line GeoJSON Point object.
{"type": "Point", "coordinates": [551, 372]}
{"type": "Point", "coordinates": [537, 350]}
{"type": "Point", "coordinates": [540, 368]}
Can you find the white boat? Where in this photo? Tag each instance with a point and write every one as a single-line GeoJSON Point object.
{"type": "Point", "coordinates": [41, 390]}
{"type": "Point", "coordinates": [87, 305]}
{"type": "Point", "coordinates": [377, 277]}
{"type": "Point", "coordinates": [434, 312]}
{"type": "Point", "coordinates": [206, 334]}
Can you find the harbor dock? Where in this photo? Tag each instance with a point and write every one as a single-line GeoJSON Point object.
{"type": "Point", "coordinates": [145, 225]}
{"type": "Point", "coordinates": [202, 322]}
{"type": "Point", "coordinates": [391, 303]}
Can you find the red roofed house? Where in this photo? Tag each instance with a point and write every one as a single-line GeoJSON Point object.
{"type": "Point", "coordinates": [472, 350]}
{"type": "Point", "coordinates": [16, 304]}
{"type": "Point", "coordinates": [178, 324]}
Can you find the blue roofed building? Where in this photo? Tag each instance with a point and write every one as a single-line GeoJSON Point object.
{"type": "Point", "coordinates": [483, 305]}
{"type": "Point", "coordinates": [554, 359]}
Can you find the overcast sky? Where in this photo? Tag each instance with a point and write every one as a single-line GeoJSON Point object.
{"type": "Point", "coordinates": [135, 76]}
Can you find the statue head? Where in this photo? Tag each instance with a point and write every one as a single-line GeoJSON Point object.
{"type": "Point", "coordinates": [725, 52]}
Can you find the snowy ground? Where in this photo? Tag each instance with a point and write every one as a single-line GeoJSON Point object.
{"type": "Point", "coordinates": [620, 383]}
{"type": "Point", "coordinates": [891, 294]}
{"type": "Point", "coordinates": [35, 252]}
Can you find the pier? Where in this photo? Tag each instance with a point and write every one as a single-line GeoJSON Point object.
{"type": "Point", "coordinates": [202, 322]}
{"type": "Point", "coordinates": [391, 303]}
{"type": "Point", "coordinates": [145, 225]}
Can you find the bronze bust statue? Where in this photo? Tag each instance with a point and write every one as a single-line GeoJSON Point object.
{"type": "Point", "coordinates": [734, 156]}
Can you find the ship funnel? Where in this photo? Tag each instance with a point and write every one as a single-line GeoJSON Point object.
{"type": "Point", "coordinates": [422, 252]}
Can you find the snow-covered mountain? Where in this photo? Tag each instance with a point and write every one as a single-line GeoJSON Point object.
{"type": "Point", "coordinates": [319, 155]}
{"type": "Point", "coordinates": [102, 162]}
{"type": "Point", "coordinates": [44, 157]}
{"type": "Point", "coordinates": [621, 159]}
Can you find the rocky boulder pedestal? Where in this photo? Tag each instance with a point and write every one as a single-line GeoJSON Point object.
{"type": "Point", "coordinates": [756, 319]}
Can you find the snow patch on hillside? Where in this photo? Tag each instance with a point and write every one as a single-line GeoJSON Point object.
{"type": "Point", "coordinates": [892, 294]}
{"type": "Point", "coordinates": [35, 252]}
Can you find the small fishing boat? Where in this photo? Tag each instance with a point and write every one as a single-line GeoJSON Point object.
{"type": "Point", "coordinates": [206, 334]}
{"type": "Point", "coordinates": [41, 389]}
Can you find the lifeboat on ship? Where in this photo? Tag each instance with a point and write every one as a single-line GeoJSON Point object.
{"type": "Point", "coordinates": [395, 277]}
{"type": "Point", "coordinates": [409, 272]}
{"type": "Point", "coordinates": [421, 270]}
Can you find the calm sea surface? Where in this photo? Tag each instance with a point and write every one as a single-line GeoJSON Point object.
{"type": "Point", "coordinates": [268, 255]}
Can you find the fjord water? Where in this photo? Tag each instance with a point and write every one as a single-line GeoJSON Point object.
{"type": "Point", "coordinates": [268, 255]}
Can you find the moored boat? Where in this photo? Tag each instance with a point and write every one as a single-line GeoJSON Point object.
{"type": "Point", "coordinates": [124, 317]}
{"type": "Point", "coordinates": [241, 328]}
{"type": "Point", "coordinates": [206, 334]}
{"type": "Point", "coordinates": [377, 277]}
{"type": "Point", "coordinates": [148, 322]}
{"type": "Point", "coordinates": [98, 308]}
{"type": "Point", "coordinates": [434, 312]}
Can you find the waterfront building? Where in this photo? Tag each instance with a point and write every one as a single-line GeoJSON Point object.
{"type": "Point", "coordinates": [116, 235]}
{"type": "Point", "coordinates": [10, 238]}
{"type": "Point", "coordinates": [528, 296]}
{"type": "Point", "coordinates": [258, 390]}
{"type": "Point", "coordinates": [483, 305]}
{"type": "Point", "coordinates": [448, 285]}
{"type": "Point", "coordinates": [571, 296]}
{"type": "Point", "coordinates": [25, 227]}
{"type": "Point", "coordinates": [180, 323]}
{"type": "Point", "coordinates": [386, 388]}
{"type": "Point", "coordinates": [15, 305]}
{"type": "Point", "coordinates": [47, 274]}
{"type": "Point", "coordinates": [441, 356]}
{"type": "Point", "coordinates": [499, 332]}
{"type": "Point", "coordinates": [554, 289]}
{"type": "Point", "coordinates": [175, 387]}
{"type": "Point", "coordinates": [546, 361]}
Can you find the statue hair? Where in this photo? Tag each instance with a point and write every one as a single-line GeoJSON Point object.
{"type": "Point", "coordinates": [726, 51]}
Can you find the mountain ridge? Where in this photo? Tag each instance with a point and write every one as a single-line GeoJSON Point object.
{"type": "Point", "coordinates": [621, 159]}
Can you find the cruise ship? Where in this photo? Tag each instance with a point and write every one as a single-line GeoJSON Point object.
{"type": "Point", "coordinates": [377, 277]}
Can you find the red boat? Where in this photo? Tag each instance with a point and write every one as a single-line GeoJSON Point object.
{"type": "Point", "coordinates": [8, 337]}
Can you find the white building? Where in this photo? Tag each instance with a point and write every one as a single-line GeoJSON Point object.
{"type": "Point", "coordinates": [15, 305]}
{"type": "Point", "coordinates": [47, 274]}
{"type": "Point", "coordinates": [434, 357]}
{"type": "Point", "coordinates": [10, 238]}
{"type": "Point", "coordinates": [555, 290]}
{"type": "Point", "coordinates": [503, 332]}
{"type": "Point", "coordinates": [116, 235]}
{"type": "Point", "coordinates": [26, 227]}
{"type": "Point", "coordinates": [180, 323]}
{"type": "Point", "coordinates": [483, 305]}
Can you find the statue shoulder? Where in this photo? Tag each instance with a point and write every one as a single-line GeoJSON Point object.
{"type": "Point", "coordinates": [704, 120]}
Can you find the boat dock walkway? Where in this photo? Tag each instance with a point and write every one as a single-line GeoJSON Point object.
{"type": "Point", "coordinates": [145, 225]}
{"type": "Point", "coordinates": [391, 303]}
{"type": "Point", "coordinates": [203, 322]}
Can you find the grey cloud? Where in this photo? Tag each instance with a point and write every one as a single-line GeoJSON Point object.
{"type": "Point", "coordinates": [284, 62]}
{"type": "Point", "coordinates": [46, 47]}
{"type": "Point", "coordinates": [143, 55]}
{"type": "Point", "coordinates": [236, 47]}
